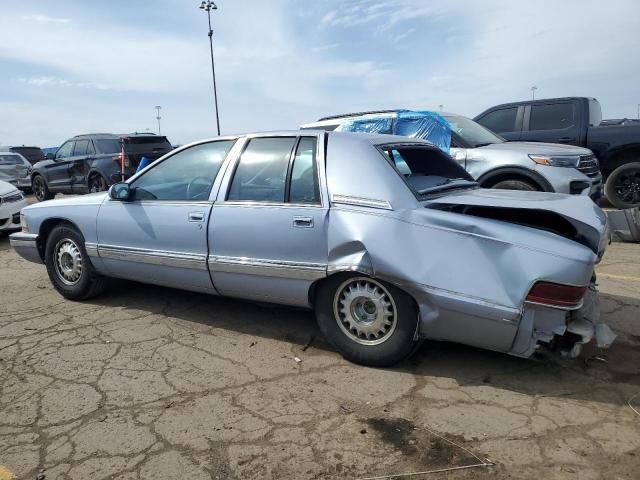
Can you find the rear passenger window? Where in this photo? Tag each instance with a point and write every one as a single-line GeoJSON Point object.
{"type": "Point", "coordinates": [553, 116]}
{"type": "Point", "coordinates": [80, 148]}
{"type": "Point", "coordinates": [304, 173]}
{"type": "Point", "coordinates": [261, 173]}
{"type": "Point", "coordinates": [500, 121]}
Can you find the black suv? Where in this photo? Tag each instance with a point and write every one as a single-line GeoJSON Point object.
{"type": "Point", "coordinates": [92, 163]}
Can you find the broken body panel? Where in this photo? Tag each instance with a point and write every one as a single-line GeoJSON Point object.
{"type": "Point", "coordinates": [468, 257]}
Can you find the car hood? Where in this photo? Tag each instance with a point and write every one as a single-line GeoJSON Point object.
{"type": "Point", "coordinates": [88, 199]}
{"type": "Point", "coordinates": [573, 216]}
{"type": "Point", "coordinates": [6, 187]}
{"type": "Point", "coordinates": [538, 148]}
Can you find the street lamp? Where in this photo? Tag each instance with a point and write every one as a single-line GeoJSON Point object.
{"type": "Point", "coordinates": [208, 5]}
{"type": "Point", "coordinates": [639, 111]}
{"type": "Point", "coordinates": [441, 107]}
{"type": "Point", "coordinates": [533, 92]}
{"type": "Point", "coordinates": [158, 117]}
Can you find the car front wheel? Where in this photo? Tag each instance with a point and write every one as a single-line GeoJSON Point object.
{"type": "Point", "coordinates": [40, 189]}
{"type": "Point", "coordinates": [367, 320]}
{"type": "Point", "coordinates": [623, 186]}
{"type": "Point", "coordinates": [515, 185]}
{"type": "Point", "coordinates": [68, 265]}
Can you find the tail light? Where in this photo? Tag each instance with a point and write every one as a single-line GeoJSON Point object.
{"type": "Point", "coordinates": [122, 160]}
{"type": "Point", "coordinates": [556, 295]}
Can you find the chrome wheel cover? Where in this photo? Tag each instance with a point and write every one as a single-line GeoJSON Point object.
{"type": "Point", "coordinates": [365, 311]}
{"type": "Point", "coordinates": [68, 261]}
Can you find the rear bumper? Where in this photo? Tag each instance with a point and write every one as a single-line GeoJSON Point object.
{"type": "Point", "coordinates": [26, 245]}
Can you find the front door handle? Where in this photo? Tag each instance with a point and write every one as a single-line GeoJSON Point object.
{"type": "Point", "coordinates": [303, 222]}
{"type": "Point", "coordinates": [196, 216]}
{"type": "Point", "coordinates": [566, 139]}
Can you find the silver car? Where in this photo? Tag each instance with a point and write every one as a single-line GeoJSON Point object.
{"type": "Point", "coordinates": [387, 238]}
{"type": "Point", "coordinates": [15, 169]}
{"type": "Point", "coordinates": [492, 161]}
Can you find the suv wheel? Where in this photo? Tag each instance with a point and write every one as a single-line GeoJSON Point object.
{"type": "Point", "coordinates": [367, 320]}
{"type": "Point", "coordinates": [40, 189]}
{"type": "Point", "coordinates": [68, 265]}
{"type": "Point", "coordinates": [97, 183]}
{"type": "Point", "coordinates": [623, 186]}
{"type": "Point", "coordinates": [515, 185]}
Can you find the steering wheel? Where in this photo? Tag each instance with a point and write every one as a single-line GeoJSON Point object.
{"type": "Point", "coordinates": [192, 183]}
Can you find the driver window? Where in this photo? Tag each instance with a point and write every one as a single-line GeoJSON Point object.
{"type": "Point", "coordinates": [64, 151]}
{"type": "Point", "coordinates": [187, 175]}
{"type": "Point", "coordinates": [261, 174]}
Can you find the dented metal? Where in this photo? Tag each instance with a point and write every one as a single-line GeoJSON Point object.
{"type": "Point", "coordinates": [467, 256]}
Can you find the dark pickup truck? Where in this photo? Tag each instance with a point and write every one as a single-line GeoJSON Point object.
{"type": "Point", "coordinates": [94, 162]}
{"type": "Point", "coordinates": [576, 121]}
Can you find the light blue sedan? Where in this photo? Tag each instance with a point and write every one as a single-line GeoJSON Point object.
{"type": "Point", "coordinates": [387, 238]}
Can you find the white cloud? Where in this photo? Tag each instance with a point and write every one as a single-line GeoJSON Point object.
{"type": "Point", "coordinates": [45, 19]}
{"type": "Point", "coordinates": [61, 82]}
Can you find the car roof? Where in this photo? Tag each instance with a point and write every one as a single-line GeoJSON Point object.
{"type": "Point", "coordinates": [537, 100]}
{"type": "Point", "coordinates": [94, 135]}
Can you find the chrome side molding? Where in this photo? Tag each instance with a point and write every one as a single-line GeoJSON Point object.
{"type": "Point", "coordinates": [267, 268]}
{"type": "Point", "coordinates": [195, 261]}
{"type": "Point", "coordinates": [361, 202]}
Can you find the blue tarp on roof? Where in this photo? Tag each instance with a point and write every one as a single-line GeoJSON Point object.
{"type": "Point", "coordinates": [424, 125]}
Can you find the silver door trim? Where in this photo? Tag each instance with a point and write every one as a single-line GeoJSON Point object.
{"type": "Point", "coordinates": [267, 267]}
{"type": "Point", "coordinates": [91, 248]}
{"type": "Point", "coordinates": [196, 261]}
{"type": "Point", "coordinates": [361, 202]}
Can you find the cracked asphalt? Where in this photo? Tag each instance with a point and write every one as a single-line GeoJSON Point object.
{"type": "Point", "coordinates": [147, 383]}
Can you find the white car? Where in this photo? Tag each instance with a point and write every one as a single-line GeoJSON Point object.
{"type": "Point", "coordinates": [11, 202]}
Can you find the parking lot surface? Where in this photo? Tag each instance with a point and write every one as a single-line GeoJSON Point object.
{"type": "Point", "coordinates": [148, 383]}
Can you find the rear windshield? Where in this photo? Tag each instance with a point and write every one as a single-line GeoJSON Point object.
{"type": "Point", "coordinates": [10, 160]}
{"type": "Point", "coordinates": [107, 145]}
{"type": "Point", "coordinates": [32, 153]}
{"type": "Point", "coordinates": [427, 170]}
{"type": "Point", "coordinates": [147, 140]}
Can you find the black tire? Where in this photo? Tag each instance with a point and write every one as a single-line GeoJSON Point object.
{"type": "Point", "coordinates": [515, 185]}
{"type": "Point", "coordinates": [623, 186]}
{"type": "Point", "coordinates": [88, 283]}
{"type": "Point", "coordinates": [97, 183]}
{"type": "Point", "coordinates": [40, 189]}
{"type": "Point", "coordinates": [394, 346]}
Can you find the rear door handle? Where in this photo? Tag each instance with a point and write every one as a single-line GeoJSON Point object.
{"type": "Point", "coordinates": [196, 216]}
{"type": "Point", "coordinates": [303, 222]}
{"type": "Point", "coordinates": [566, 139]}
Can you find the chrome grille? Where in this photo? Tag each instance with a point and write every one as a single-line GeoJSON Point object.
{"type": "Point", "coordinates": [589, 165]}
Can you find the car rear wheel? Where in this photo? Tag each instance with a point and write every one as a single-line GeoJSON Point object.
{"type": "Point", "coordinates": [40, 189]}
{"type": "Point", "coordinates": [97, 183]}
{"type": "Point", "coordinates": [515, 185]}
{"type": "Point", "coordinates": [623, 186]}
{"type": "Point", "coordinates": [368, 321]}
{"type": "Point", "coordinates": [68, 265]}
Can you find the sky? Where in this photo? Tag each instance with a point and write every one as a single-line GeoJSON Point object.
{"type": "Point", "coordinates": [81, 66]}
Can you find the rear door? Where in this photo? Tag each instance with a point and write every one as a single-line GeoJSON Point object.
{"type": "Point", "coordinates": [552, 122]}
{"type": "Point", "coordinates": [78, 168]}
{"type": "Point", "coordinates": [505, 121]}
{"type": "Point", "coordinates": [268, 232]}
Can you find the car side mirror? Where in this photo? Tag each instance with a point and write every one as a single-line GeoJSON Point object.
{"type": "Point", "coordinates": [50, 156]}
{"type": "Point", "coordinates": [120, 191]}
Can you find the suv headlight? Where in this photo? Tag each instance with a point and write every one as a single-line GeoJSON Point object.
{"type": "Point", "coordinates": [556, 161]}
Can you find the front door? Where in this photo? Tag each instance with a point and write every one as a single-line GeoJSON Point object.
{"type": "Point", "coordinates": [160, 236]}
{"type": "Point", "coordinates": [268, 234]}
{"type": "Point", "coordinates": [78, 166]}
{"type": "Point", "coordinates": [57, 172]}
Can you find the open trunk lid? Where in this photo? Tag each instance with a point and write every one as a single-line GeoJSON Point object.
{"type": "Point", "coordinates": [572, 216]}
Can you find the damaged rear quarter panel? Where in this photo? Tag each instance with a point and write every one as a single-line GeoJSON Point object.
{"type": "Point", "coordinates": [469, 282]}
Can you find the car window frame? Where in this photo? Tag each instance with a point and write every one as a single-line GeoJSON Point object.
{"type": "Point", "coordinates": [235, 162]}
{"type": "Point", "coordinates": [215, 186]}
{"type": "Point", "coordinates": [529, 112]}
{"type": "Point", "coordinates": [73, 146]}
{"type": "Point", "coordinates": [73, 152]}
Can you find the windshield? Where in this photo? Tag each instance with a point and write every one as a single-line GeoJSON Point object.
{"type": "Point", "coordinates": [427, 170]}
{"type": "Point", "coordinates": [471, 132]}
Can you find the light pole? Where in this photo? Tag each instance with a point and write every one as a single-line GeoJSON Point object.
{"type": "Point", "coordinates": [441, 107]}
{"type": "Point", "coordinates": [208, 5]}
{"type": "Point", "coordinates": [533, 92]}
{"type": "Point", "coordinates": [158, 117]}
{"type": "Point", "coordinates": [639, 111]}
